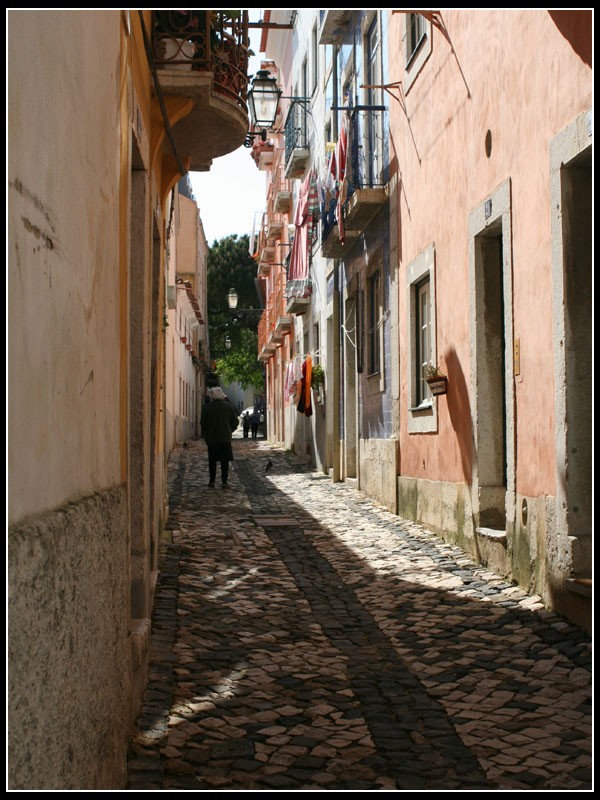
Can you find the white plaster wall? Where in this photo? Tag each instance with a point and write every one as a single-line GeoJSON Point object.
{"type": "Point", "coordinates": [63, 278]}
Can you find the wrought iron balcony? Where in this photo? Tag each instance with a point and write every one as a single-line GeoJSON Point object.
{"type": "Point", "coordinates": [298, 296]}
{"type": "Point", "coordinates": [203, 56]}
{"type": "Point", "coordinates": [297, 149]}
{"type": "Point", "coordinates": [366, 182]}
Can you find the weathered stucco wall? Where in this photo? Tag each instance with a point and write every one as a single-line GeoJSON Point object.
{"type": "Point", "coordinates": [68, 540]}
{"type": "Point", "coordinates": [378, 470]}
{"type": "Point", "coordinates": [64, 335]}
{"type": "Point", "coordinates": [68, 712]}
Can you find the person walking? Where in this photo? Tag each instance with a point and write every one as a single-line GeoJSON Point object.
{"type": "Point", "coordinates": [218, 421]}
{"type": "Point", "coordinates": [254, 423]}
{"type": "Point", "coordinates": [246, 423]}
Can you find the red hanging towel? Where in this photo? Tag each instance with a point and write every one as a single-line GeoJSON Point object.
{"type": "Point", "coordinates": [340, 163]}
{"type": "Point", "coordinates": [298, 269]}
{"type": "Point", "coordinates": [304, 404]}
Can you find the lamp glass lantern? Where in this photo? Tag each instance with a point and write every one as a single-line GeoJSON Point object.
{"type": "Point", "coordinates": [263, 99]}
{"type": "Point", "coordinates": [232, 298]}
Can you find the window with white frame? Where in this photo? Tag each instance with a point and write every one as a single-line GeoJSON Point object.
{"type": "Point", "coordinates": [422, 339]}
{"type": "Point", "coordinates": [421, 332]}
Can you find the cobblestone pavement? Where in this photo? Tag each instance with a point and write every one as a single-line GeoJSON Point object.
{"type": "Point", "coordinates": [307, 639]}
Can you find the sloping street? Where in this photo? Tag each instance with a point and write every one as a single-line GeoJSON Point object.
{"type": "Point", "coordinates": [306, 638]}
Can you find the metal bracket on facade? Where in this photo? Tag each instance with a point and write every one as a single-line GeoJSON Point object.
{"type": "Point", "coordinates": [387, 87]}
{"type": "Point", "coordinates": [361, 108]}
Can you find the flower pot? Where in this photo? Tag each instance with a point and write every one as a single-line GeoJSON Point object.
{"type": "Point", "coordinates": [173, 49]}
{"type": "Point", "coordinates": [438, 386]}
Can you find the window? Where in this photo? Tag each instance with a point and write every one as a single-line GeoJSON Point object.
{"type": "Point", "coordinates": [374, 324]}
{"type": "Point", "coordinates": [420, 302]}
{"type": "Point", "coordinates": [328, 57]}
{"type": "Point", "coordinates": [418, 47]}
{"type": "Point", "coordinates": [304, 78]}
{"type": "Point", "coordinates": [415, 33]}
{"type": "Point", "coordinates": [374, 135]}
{"type": "Point", "coordinates": [315, 58]}
{"type": "Point", "coordinates": [422, 339]}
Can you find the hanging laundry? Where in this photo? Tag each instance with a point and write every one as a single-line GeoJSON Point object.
{"type": "Point", "coordinates": [306, 221]}
{"type": "Point", "coordinates": [293, 376]}
{"type": "Point", "coordinates": [304, 404]}
{"type": "Point", "coordinates": [340, 161]}
{"type": "Point", "coordinates": [335, 183]}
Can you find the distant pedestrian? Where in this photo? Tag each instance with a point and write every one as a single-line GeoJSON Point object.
{"type": "Point", "coordinates": [218, 421]}
{"type": "Point", "coordinates": [254, 423]}
{"type": "Point", "coordinates": [246, 424]}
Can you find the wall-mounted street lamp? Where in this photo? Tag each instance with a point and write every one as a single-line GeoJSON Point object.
{"type": "Point", "coordinates": [232, 301]}
{"type": "Point", "coordinates": [232, 298]}
{"type": "Point", "coordinates": [263, 99]}
{"type": "Point", "coordinates": [263, 104]}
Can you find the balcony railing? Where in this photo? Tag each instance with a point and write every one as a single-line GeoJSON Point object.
{"type": "Point", "coordinates": [297, 150]}
{"type": "Point", "coordinates": [203, 56]}
{"type": "Point", "coordinates": [205, 40]}
{"type": "Point", "coordinates": [283, 320]}
{"type": "Point", "coordinates": [365, 176]}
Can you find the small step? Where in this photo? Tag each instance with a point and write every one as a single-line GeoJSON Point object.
{"type": "Point", "coordinates": [581, 586]}
{"type": "Point", "coordinates": [493, 534]}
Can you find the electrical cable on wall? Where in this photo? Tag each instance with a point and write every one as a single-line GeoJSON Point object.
{"type": "Point", "coordinates": [161, 101]}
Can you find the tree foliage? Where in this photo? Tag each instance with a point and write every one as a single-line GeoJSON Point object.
{"type": "Point", "coordinates": [230, 265]}
{"type": "Point", "coordinates": [241, 365]}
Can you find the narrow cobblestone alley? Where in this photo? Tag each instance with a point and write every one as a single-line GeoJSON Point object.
{"type": "Point", "coordinates": [306, 638]}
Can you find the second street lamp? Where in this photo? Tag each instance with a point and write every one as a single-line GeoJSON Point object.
{"type": "Point", "coordinates": [232, 300]}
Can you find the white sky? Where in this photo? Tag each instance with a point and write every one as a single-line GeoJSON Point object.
{"type": "Point", "coordinates": [234, 189]}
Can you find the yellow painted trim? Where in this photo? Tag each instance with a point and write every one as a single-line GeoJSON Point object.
{"type": "Point", "coordinates": [177, 108]}
{"type": "Point", "coordinates": [124, 188]}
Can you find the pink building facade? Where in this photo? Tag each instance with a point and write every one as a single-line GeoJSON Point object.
{"type": "Point", "coordinates": [491, 204]}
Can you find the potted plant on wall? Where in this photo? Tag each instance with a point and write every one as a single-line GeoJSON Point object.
{"type": "Point", "coordinates": [177, 35]}
{"type": "Point", "coordinates": [317, 382]}
{"type": "Point", "coordinates": [437, 381]}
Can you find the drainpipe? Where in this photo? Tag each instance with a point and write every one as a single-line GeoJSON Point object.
{"type": "Point", "coordinates": [336, 374]}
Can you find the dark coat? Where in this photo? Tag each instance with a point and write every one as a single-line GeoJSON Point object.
{"type": "Point", "coordinates": [218, 421]}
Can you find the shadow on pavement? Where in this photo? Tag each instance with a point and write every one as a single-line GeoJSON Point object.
{"type": "Point", "coordinates": [349, 651]}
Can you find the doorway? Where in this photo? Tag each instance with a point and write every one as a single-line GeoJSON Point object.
{"type": "Point", "coordinates": [490, 267]}
{"type": "Point", "coordinates": [572, 214]}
